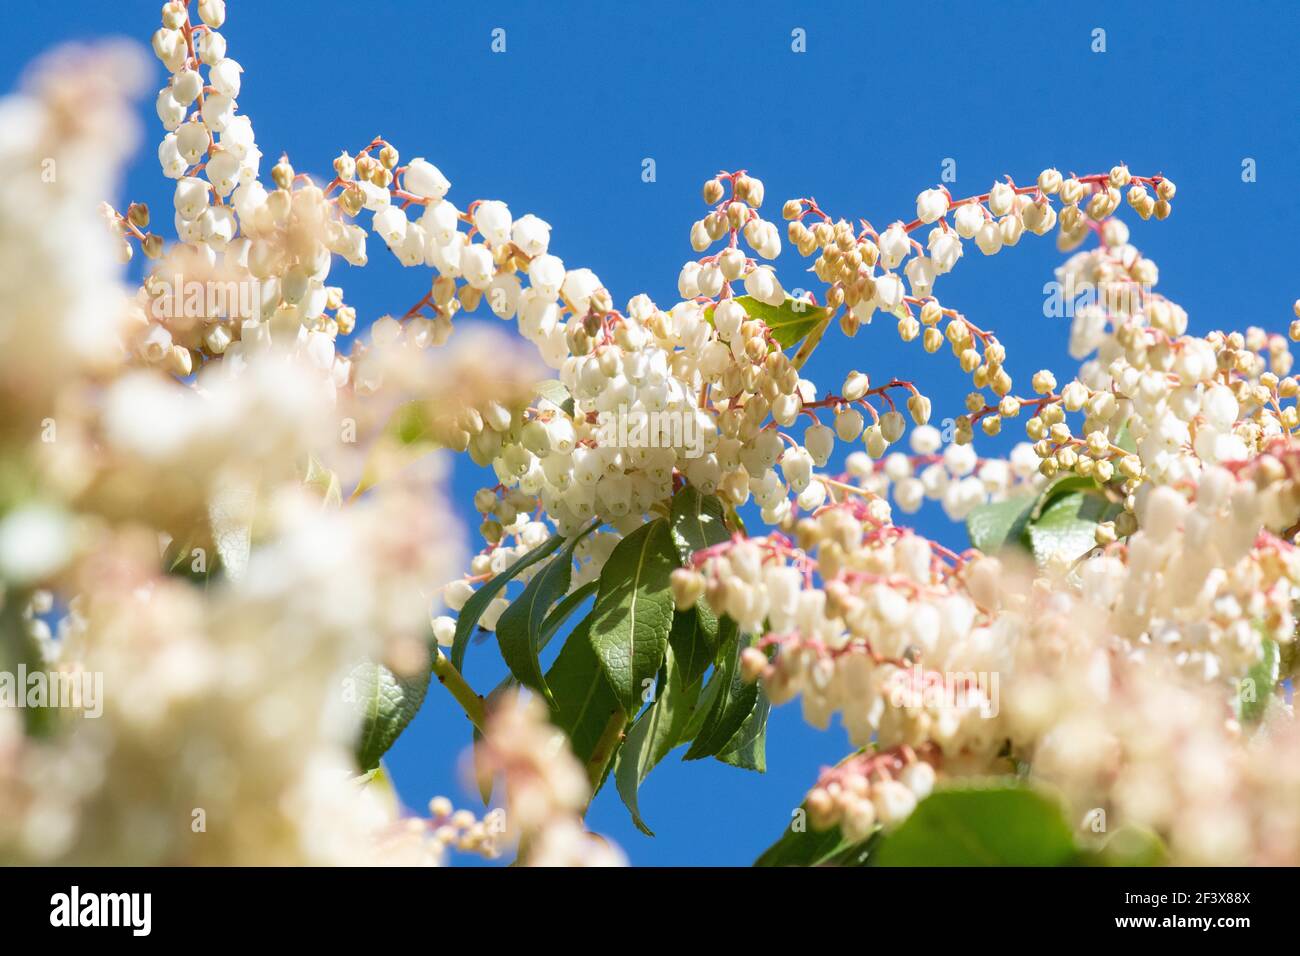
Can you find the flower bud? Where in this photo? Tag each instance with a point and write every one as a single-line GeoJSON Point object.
{"type": "Point", "coordinates": [687, 587]}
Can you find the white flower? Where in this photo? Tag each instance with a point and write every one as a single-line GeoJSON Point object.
{"type": "Point", "coordinates": [186, 86]}
{"type": "Point", "coordinates": [424, 179]}
{"type": "Point", "coordinates": [170, 110]}
{"type": "Point", "coordinates": [192, 140]}
{"type": "Point", "coordinates": [1001, 198]}
{"type": "Point", "coordinates": [894, 245]}
{"type": "Point", "coordinates": [440, 220]}
{"type": "Point", "coordinates": [762, 284]}
{"type": "Point", "coordinates": [237, 137]}
{"type": "Point", "coordinates": [959, 459]}
{"type": "Point", "coordinates": [728, 316]}
{"type": "Point", "coordinates": [390, 223]}
{"type": "Point", "coordinates": [920, 272]}
{"type": "Point", "coordinates": [444, 630]}
{"type": "Point", "coordinates": [578, 286]}
{"type": "Point", "coordinates": [210, 46]}
{"type": "Point", "coordinates": [224, 77]}
{"type": "Point", "coordinates": [190, 197]}
{"type": "Point", "coordinates": [967, 219]}
{"type": "Point", "coordinates": [222, 171]}
{"type": "Point", "coordinates": [848, 424]}
{"type": "Point", "coordinates": [889, 291]}
{"type": "Point", "coordinates": [170, 158]}
{"type": "Point", "coordinates": [925, 440]}
{"type": "Point", "coordinates": [492, 219]}
{"type": "Point", "coordinates": [931, 204]}
{"type": "Point", "coordinates": [35, 542]}
{"type": "Point", "coordinates": [820, 442]}
{"type": "Point", "coordinates": [530, 234]}
{"type": "Point", "coordinates": [477, 266]}
{"type": "Point", "coordinates": [945, 249]}
{"type": "Point", "coordinates": [1220, 407]}
{"type": "Point", "coordinates": [218, 110]}
{"type": "Point", "coordinates": [989, 238]}
{"type": "Point", "coordinates": [376, 197]}
{"type": "Point", "coordinates": [213, 12]}
{"type": "Point", "coordinates": [546, 275]}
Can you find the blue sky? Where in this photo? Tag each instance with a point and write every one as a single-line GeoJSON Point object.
{"type": "Point", "coordinates": [560, 123]}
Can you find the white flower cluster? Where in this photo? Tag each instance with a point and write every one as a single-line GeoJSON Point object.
{"type": "Point", "coordinates": [953, 475]}
{"type": "Point", "coordinates": [546, 788]}
{"type": "Point", "coordinates": [1201, 579]}
{"type": "Point", "coordinates": [889, 599]}
{"type": "Point", "coordinates": [1187, 401]}
{"type": "Point", "coordinates": [1143, 745]}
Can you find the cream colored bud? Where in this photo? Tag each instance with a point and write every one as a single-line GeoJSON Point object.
{"type": "Point", "coordinates": [1049, 181]}
{"type": "Point", "coordinates": [1043, 382]}
{"type": "Point", "coordinates": [687, 587]}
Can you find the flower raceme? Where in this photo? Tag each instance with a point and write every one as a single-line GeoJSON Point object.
{"type": "Point", "coordinates": [1156, 488]}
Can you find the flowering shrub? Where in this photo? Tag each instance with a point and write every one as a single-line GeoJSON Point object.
{"type": "Point", "coordinates": [1113, 647]}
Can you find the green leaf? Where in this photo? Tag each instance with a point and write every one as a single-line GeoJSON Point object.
{"type": "Point", "coordinates": [584, 701]}
{"type": "Point", "coordinates": [999, 524]}
{"type": "Point", "coordinates": [1067, 526]}
{"type": "Point", "coordinates": [1059, 487]}
{"type": "Point", "coordinates": [790, 322]}
{"type": "Point", "coordinates": [698, 522]}
{"type": "Point", "coordinates": [554, 621]}
{"type": "Point", "coordinates": [386, 704]}
{"type": "Point", "coordinates": [563, 611]}
{"type": "Point", "coordinates": [801, 846]}
{"type": "Point", "coordinates": [1130, 845]}
{"type": "Point", "coordinates": [734, 699]}
{"type": "Point", "coordinates": [660, 728]}
{"type": "Point", "coordinates": [325, 482]}
{"type": "Point", "coordinates": [480, 599]}
{"type": "Point", "coordinates": [554, 391]}
{"type": "Point", "coordinates": [634, 611]}
{"type": "Point", "coordinates": [748, 749]}
{"type": "Point", "coordinates": [693, 644]}
{"type": "Point", "coordinates": [520, 626]}
{"type": "Point", "coordinates": [1256, 689]}
{"type": "Point", "coordinates": [997, 825]}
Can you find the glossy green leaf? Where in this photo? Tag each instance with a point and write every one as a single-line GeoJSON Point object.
{"type": "Point", "coordinates": [1067, 526]}
{"type": "Point", "coordinates": [661, 727]}
{"type": "Point", "coordinates": [386, 704]}
{"type": "Point", "coordinates": [480, 599]}
{"type": "Point", "coordinates": [634, 611]}
{"type": "Point", "coordinates": [584, 701]}
{"type": "Point", "coordinates": [554, 391]}
{"type": "Point", "coordinates": [694, 637]}
{"type": "Point", "coordinates": [997, 825]}
{"type": "Point", "coordinates": [734, 700]}
{"type": "Point", "coordinates": [1000, 523]}
{"type": "Point", "coordinates": [748, 749]}
{"type": "Point", "coordinates": [790, 322]}
{"type": "Point", "coordinates": [519, 629]}
{"type": "Point", "coordinates": [697, 521]}
{"type": "Point", "coordinates": [800, 845]}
